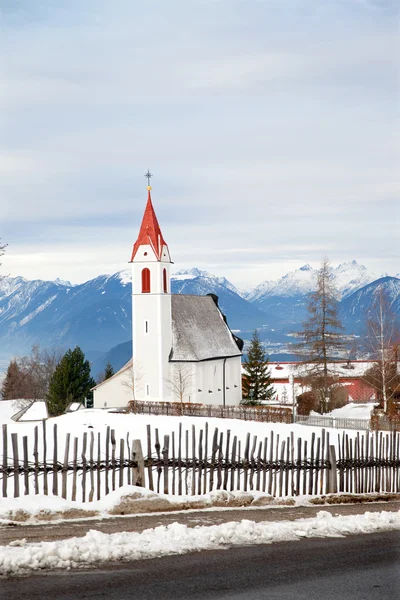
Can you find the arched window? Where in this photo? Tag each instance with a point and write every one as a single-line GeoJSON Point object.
{"type": "Point", "coordinates": [146, 281]}
{"type": "Point", "coordinates": [165, 281]}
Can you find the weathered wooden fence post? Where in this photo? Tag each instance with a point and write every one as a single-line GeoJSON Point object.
{"type": "Point", "coordinates": [332, 473]}
{"type": "Point", "coordinates": [4, 461]}
{"type": "Point", "coordinates": [14, 442]}
{"type": "Point", "coordinates": [138, 470]}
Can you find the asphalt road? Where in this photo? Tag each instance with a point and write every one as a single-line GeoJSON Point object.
{"type": "Point", "coordinates": [362, 567]}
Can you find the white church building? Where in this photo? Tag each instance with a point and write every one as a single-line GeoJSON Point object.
{"type": "Point", "coordinates": [182, 347]}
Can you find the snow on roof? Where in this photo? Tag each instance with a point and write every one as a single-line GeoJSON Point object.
{"type": "Point", "coordinates": [345, 369]}
{"type": "Point", "coordinates": [36, 412]}
{"type": "Point", "coordinates": [199, 331]}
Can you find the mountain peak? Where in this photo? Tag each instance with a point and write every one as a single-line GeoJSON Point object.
{"type": "Point", "coordinates": [190, 274]}
{"type": "Point", "coordinates": [306, 267]}
{"type": "Point", "coordinates": [350, 266]}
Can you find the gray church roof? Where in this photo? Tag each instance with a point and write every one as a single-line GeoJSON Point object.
{"type": "Point", "coordinates": [199, 331]}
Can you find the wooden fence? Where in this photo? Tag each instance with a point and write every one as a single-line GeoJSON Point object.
{"type": "Point", "coordinates": [196, 461]}
{"type": "Point", "coordinates": [265, 414]}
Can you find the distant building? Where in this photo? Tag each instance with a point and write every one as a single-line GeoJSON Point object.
{"type": "Point", "coordinates": [182, 347]}
{"type": "Point", "coordinates": [349, 374]}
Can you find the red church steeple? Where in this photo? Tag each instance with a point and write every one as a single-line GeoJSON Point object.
{"type": "Point", "coordinates": [150, 232]}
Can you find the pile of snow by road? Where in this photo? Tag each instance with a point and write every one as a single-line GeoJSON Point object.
{"type": "Point", "coordinates": [129, 500]}
{"type": "Point", "coordinates": [97, 548]}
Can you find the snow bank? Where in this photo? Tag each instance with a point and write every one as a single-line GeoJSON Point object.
{"type": "Point", "coordinates": [127, 500]}
{"type": "Point", "coordinates": [96, 548]}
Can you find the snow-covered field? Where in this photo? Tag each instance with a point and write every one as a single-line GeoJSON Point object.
{"type": "Point", "coordinates": [96, 420]}
{"type": "Point", "coordinates": [97, 548]}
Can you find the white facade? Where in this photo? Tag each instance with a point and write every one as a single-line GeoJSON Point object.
{"type": "Point", "coordinates": [151, 324]}
{"type": "Point", "coordinates": [116, 391]}
{"type": "Point", "coordinates": [211, 381]}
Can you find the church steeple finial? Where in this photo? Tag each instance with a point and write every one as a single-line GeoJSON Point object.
{"type": "Point", "coordinates": [148, 175]}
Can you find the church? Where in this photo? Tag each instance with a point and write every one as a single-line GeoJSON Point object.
{"type": "Point", "coordinates": [182, 347]}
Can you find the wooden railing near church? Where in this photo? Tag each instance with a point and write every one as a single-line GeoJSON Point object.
{"type": "Point", "coordinates": [266, 414]}
{"type": "Point", "coordinates": [198, 460]}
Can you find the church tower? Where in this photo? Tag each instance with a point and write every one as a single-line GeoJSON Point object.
{"type": "Point", "coordinates": [151, 309]}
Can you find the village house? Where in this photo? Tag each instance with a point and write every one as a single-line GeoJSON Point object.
{"type": "Point", "coordinates": [286, 379]}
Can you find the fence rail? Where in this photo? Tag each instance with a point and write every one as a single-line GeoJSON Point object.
{"type": "Point", "coordinates": [265, 414]}
{"type": "Point", "coordinates": [198, 460]}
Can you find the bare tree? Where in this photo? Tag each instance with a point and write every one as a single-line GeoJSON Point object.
{"type": "Point", "coordinates": [321, 339]}
{"type": "Point", "coordinates": [180, 382]}
{"type": "Point", "coordinates": [382, 341]}
{"type": "Point", "coordinates": [132, 379]}
{"type": "Point", "coordinates": [29, 376]}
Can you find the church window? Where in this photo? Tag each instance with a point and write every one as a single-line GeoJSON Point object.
{"type": "Point", "coordinates": [146, 281]}
{"type": "Point", "coordinates": [147, 389]}
{"type": "Point", "coordinates": [146, 327]}
{"type": "Point", "coordinates": [165, 281]}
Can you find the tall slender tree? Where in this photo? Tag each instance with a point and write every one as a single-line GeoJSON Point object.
{"type": "Point", "coordinates": [321, 339]}
{"type": "Point", "coordinates": [382, 342]}
{"type": "Point", "coordinates": [257, 383]}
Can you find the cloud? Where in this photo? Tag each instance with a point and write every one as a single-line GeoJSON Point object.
{"type": "Point", "coordinates": [274, 121]}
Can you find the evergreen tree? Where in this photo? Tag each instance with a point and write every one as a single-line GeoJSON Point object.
{"type": "Point", "coordinates": [108, 371]}
{"type": "Point", "coordinates": [257, 381]}
{"type": "Point", "coordinates": [322, 340]}
{"type": "Point", "coordinates": [71, 382]}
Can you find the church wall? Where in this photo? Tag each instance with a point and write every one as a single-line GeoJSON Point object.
{"type": "Point", "coordinates": [208, 377]}
{"type": "Point", "coordinates": [151, 331]}
{"type": "Point", "coordinates": [113, 393]}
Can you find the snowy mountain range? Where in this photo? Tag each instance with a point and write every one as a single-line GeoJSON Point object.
{"type": "Point", "coordinates": [96, 315]}
{"type": "Point", "coordinates": [349, 277]}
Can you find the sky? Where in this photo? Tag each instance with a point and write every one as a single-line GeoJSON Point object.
{"type": "Point", "coordinates": [271, 128]}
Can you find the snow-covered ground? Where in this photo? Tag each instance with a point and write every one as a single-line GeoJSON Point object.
{"type": "Point", "coordinates": [131, 499]}
{"type": "Point", "coordinates": [97, 420]}
{"type": "Point", "coordinates": [97, 548]}
{"type": "Point", "coordinates": [351, 410]}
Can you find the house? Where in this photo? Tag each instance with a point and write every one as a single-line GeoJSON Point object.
{"type": "Point", "coordinates": [182, 347]}
{"type": "Point", "coordinates": [287, 381]}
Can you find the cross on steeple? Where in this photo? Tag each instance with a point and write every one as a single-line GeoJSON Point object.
{"type": "Point", "coordinates": [148, 175]}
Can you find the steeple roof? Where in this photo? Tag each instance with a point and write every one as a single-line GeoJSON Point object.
{"type": "Point", "coordinates": [150, 232]}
